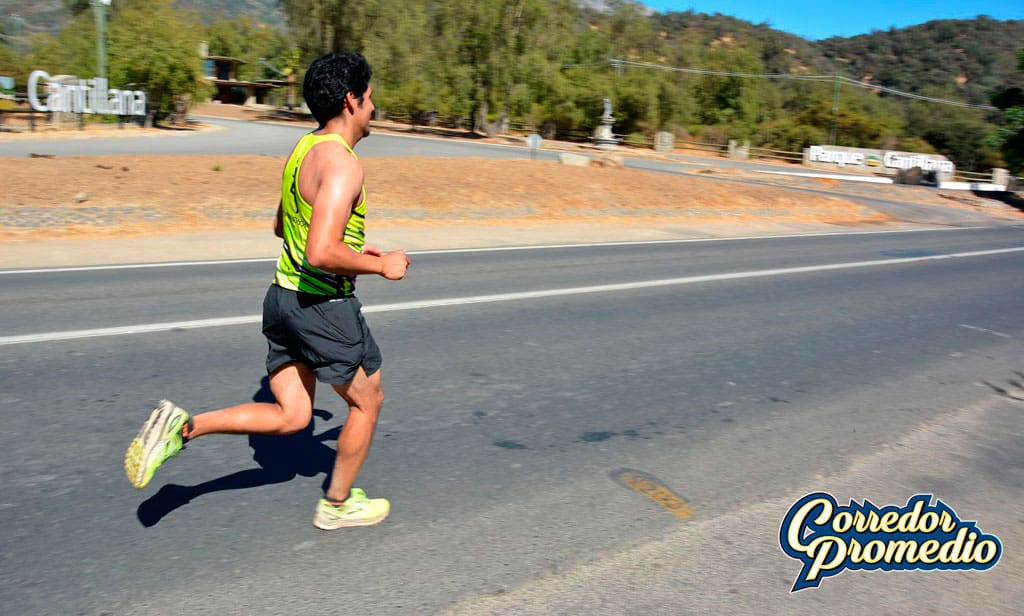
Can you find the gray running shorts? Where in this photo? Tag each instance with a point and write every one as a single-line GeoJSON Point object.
{"type": "Point", "coordinates": [329, 335]}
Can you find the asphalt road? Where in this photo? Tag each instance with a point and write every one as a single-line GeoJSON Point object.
{"type": "Point", "coordinates": [523, 387]}
{"type": "Point", "coordinates": [238, 137]}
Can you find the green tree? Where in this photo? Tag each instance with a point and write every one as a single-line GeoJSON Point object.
{"type": "Point", "coordinates": [1009, 137]}
{"type": "Point", "coordinates": [405, 66]}
{"type": "Point", "coordinates": [488, 45]}
{"type": "Point", "coordinates": [153, 47]}
{"type": "Point", "coordinates": [631, 32]}
{"type": "Point", "coordinates": [11, 62]}
{"type": "Point", "coordinates": [322, 26]}
{"type": "Point", "coordinates": [956, 132]}
{"type": "Point", "coordinates": [729, 100]}
{"type": "Point", "coordinates": [71, 52]}
{"type": "Point", "coordinates": [258, 44]}
{"type": "Point", "coordinates": [790, 134]}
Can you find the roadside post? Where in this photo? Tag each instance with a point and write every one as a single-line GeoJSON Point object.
{"type": "Point", "coordinates": [534, 142]}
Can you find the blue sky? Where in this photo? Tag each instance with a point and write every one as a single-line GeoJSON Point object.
{"type": "Point", "coordinates": [824, 18]}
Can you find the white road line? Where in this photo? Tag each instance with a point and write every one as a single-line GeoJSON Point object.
{"type": "Point", "coordinates": [499, 297]}
{"type": "Point", "coordinates": [694, 240]}
{"type": "Point", "coordinates": [830, 176]}
{"type": "Point", "coordinates": [986, 331]}
{"type": "Point", "coordinates": [981, 186]}
{"type": "Point", "coordinates": [697, 240]}
{"type": "Point", "coordinates": [128, 329]}
{"type": "Point", "coordinates": [100, 268]}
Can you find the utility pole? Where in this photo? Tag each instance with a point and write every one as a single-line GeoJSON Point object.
{"type": "Point", "coordinates": [19, 26]}
{"type": "Point", "coordinates": [835, 111]}
{"type": "Point", "coordinates": [99, 8]}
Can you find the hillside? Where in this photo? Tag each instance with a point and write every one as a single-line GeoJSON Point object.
{"type": "Point", "coordinates": [962, 59]}
{"type": "Point", "coordinates": [781, 52]}
{"type": "Point", "coordinates": [49, 16]}
{"type": "Point", "coordinates": [266, 11]}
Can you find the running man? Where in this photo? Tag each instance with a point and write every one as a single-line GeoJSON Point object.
{"type": "Point", "coordinates": [311, 318]}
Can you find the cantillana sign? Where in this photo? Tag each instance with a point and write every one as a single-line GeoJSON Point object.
{"type": "Point", "coordinates": [73, 95]}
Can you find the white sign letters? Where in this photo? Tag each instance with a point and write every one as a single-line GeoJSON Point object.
{"type": "Point", "coordinates": [85, 96]}
{"type": "Point", "coordinates": [817, 155]}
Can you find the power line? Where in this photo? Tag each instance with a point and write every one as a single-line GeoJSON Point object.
{"type": "Point", "coordinates": [930, 99]}
{"type": "Point", "coordinates": [618, 63]}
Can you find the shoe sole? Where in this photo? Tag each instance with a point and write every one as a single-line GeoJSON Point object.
{"type": "Point", "coordinates": [349, 523]}
{"type": "Point", "coordinates": [139, 456]}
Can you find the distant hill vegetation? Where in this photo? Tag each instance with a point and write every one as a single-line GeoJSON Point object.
{"type": "Point", "coordinates": [267, 11]}
{"type": "Point", "coordinates": [964, 59]}
{"type": "Point", "coordinates": [49, 16]}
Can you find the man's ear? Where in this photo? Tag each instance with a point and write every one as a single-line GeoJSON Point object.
{"type": "Point", "coordinates": [351, 101]}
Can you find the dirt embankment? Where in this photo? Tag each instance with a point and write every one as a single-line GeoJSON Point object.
{"type": "Point", "coordinates": [121, 195]}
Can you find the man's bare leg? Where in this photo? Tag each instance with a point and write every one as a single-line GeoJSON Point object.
{"type": "Point", "coordinates": [294, 388]}
{"type": "Point", "coordinates": [169, 426]}
{"type": "Point", "coordinates": [365, 397]}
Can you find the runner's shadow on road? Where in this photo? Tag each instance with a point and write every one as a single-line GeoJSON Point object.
{"type": "Point", "coordinates": [280, 459]}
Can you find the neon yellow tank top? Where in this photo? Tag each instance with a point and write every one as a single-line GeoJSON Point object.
{"type": "Point", "coordinates": [293, 270]}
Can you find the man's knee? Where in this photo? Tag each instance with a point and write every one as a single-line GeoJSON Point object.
{"type": "Point", "coordinates": [293, 386]}
{"type": "Point", "coordinates": [295, 418]}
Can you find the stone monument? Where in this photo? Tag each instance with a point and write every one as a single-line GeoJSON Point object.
{"type": "Point", "coordinates": [737, 150]}
{"type": "Point", "coordinates": [664, 141]}
{"type": "Point", "coordinates": [603, 136]}
{"type": "Point", "coordinates": [1001, 177]}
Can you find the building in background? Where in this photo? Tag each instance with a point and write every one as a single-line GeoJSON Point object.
{"type": "Point", "coordinates": [222, 73]}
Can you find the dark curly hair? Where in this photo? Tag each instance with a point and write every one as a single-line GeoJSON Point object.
{"type": "Point", "coordinates": [330, 78]}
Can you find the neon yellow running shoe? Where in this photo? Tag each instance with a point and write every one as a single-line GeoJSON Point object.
{"type": "Point", "coordinates": [357, 510]}
{"type": "Point", "coordinates": [159, 439]}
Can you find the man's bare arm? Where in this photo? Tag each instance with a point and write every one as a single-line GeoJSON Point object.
{"type": "Point", "coordinates": [339, 187]}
